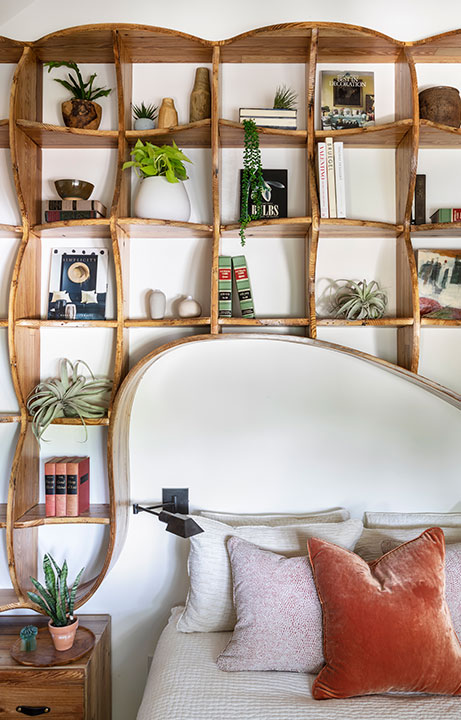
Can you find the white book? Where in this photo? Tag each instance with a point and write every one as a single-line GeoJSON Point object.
{"type": "Point", "coordinates": [271, 122]}
{"type": "Point", "coordinates": [323, 181]}
{"type": "Point", "coordinates": [267, 112]}
{"type": "Point", "coordinates": [340, 181]}
{"type": "Point", "coordinates": [331, 177]}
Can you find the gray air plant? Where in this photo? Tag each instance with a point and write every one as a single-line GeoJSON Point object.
{"type": "Point", "coordinates": [360, 301]}
{"type": "Point", "coordinates": [72, 395]}
{"type": "Point", "coordinates": [56, 599]}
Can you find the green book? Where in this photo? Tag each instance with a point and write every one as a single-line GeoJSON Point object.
{"type": "Point", "coordinates": [242, 282]}
{"type": "Point", "coordinates": [225, 286]}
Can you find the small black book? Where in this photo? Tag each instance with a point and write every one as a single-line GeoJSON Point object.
{"type": "Point", "coordinates": [275, 195]}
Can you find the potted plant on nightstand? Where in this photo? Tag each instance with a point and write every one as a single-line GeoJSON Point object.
{"type": "Point", "coordinates": [57, 601]}
{"type": "Point", "coordinates": [81, 111]}
{"type": "Point", "coordinates": [161, 192]}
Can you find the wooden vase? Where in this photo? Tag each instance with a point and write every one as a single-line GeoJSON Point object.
{"type": "Point", "coordinates": [81, 114]}
{"type": "Point", "coordinates": [200, 99]}
{"type": "Point", "coordinates": [441, 104]}
{"type": "Point", "coordinates": [167, 115]}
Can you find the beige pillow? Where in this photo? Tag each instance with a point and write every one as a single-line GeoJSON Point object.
{"type": "Point", "coordinates": [323, 516]}
{"type": "Point", "coordinates": [209, 606]}
{"type": "Point", "coordinates": [372, 540]}
{"type": "Point", "coordinates": [420, 520]}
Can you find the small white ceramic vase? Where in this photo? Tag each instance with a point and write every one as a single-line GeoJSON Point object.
{"type": "Point", "coordinates": [157, 198]}
{"type": "Point", "coordinates": [144, 124]}
{"type": "Point", "coordinates": [189, 307]}
{"type": "Point", "coordinates": [157, 303]}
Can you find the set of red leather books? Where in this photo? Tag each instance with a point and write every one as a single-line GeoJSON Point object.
{"type": "Point", "coordinates": [67, 486]}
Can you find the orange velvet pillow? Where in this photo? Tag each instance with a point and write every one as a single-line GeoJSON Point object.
{"type": "Point", "coordinates": [386, 625]}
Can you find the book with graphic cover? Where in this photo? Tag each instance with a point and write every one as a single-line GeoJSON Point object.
{"type": "Point", "coordinates": [347, 99]}
{"type": "Point", "coordinates": [275, 195]}
{"type": "Point", "coordinates": [78, 284]}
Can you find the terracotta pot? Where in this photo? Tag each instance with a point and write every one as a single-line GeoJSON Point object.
{"type": "Point", "coordinates": [63, 637]}
{"type": "Point", "coordinates": [441, 104]}
{"type": "Point", "coordinates": [81, 114]}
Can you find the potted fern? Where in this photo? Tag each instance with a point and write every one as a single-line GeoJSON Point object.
{"type": "Point", "coordinates": [57, 601]}
{"type": "Point", "coordinates": [144, 116]}
{"type": "Point", "coordinates": [161, 192]}
{"type": "Point", "coordinates": [81, 111]}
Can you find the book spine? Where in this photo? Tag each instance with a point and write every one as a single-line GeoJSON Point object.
{"type": "Point", "coordinates": [72, 488]}
{"type": "Point", "coordinates": [50, 489]}
{"type": "Point", "coordinates": [247, 113]}
{"type": "Point", "coordinates": [224, 286]}
{"type": "Point", "coordinates": [340, 180]}
{"type": "Point", "coordinates": [56, 215]}
{"type": "Point", "coordinates": [331, 177]}
{"type": "Point", "coordinates": [456, 215]}
{"type": "Point", "coordinates": [61, 487]}
{"type": "Point", "coordinates": [420, 200]}
{"type": "Point", "coordinates": [323, 181]}
{"type": "Point", "coordinates": [242, 282]}
{"type": "Point", "coordinates": [442, 215]}
{"type": "Point", "coordinates": [75, 205]}
{"type": "Point", "coordinates": [83, 485]}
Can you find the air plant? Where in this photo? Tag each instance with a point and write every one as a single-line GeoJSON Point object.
{"type": "Point", "coordinates": [285, 98]}
{"type": "Point", "coordinates": [252, 177]}
{"type": "Point", "coordinates": [76, 86]}
{"type": "Point", "coordinates": [56, 600]}
{"type": "Point", "coordinates": [143, 111]}
{"type": "Point", "coordinates": [360, 300]}
{"type": "Point", "coordinates": [72, 394]}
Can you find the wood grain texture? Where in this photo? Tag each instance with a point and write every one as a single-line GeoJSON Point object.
{"type": "Point", "coordinates": [194, 134]}
{"type": "Point", "coordinates": [215, 190]}
{"type": "Point", "coordinates": [312, 200]}
{"type": "Point", "coordinates": [57, 136]}
{"type": "Point", "coordinates": [350, 228]}
{"type": "Point", "coordinates": [282, 227]}
{"type": "Point", "coordinates": [231, 134]}
{"type": "Point", "coordinates": [386, 135]}
{"type": "Point", "coordinates": [35, 517]}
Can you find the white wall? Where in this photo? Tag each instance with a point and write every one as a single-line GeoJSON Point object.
{"type": "Point", "coordinates": [141, 588]}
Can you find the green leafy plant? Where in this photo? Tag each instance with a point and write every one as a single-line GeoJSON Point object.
{"type": "Point", "coordinates": [252, 177]}
{"type": "Point", "coordinates": [143, 111]}
{"type": "Point", "coordinates": [285, 98]}
{"type": "Point", "coordinates": [56, 599]}
{"type": "Point", "coordinates": [151, 160]}
{"type": "Point", "coordinates": [76, 86]}
{"type": "Point", "coordinates": [72, 394]}
{"type": "Point", "coordinates": [360, 300]}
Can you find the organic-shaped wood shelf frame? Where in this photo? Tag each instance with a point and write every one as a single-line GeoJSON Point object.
{"type": "Point", "coordinates": [122, 45]}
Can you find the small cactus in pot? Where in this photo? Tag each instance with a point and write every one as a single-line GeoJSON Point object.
{"type": "Point", "coordinates": [144, 116]}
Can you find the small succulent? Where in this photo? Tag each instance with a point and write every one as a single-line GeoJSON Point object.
{"type": "Point", "coordinates": [56, 600]}
{"type": "Point", "coordinates": [143, 111]}
{"type": "Point", "coordinates": [360, 300]}
{"type": "Point", "coordinates": [285, 98]}
{"type": "Point", "coordinates": [76, 86]}
{"type": "Point", "coordinates": [69, 395]}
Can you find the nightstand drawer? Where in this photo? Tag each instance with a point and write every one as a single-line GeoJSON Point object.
{"type": "Point", "coordinates": [61, 691]}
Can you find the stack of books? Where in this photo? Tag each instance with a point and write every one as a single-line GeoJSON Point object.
{"type": "Point", "coordinates": [446, 215]}
{"type": "Point", "coordinates": [55, 210]}
{"type": "Point", "coordinates": [270, 117]}
{"type": "Point", "coordinates": [332, 189]}
{"type": "Point", "coordinates": [67, 486]}
{"type": "Point", "coordinates": [242, 283]}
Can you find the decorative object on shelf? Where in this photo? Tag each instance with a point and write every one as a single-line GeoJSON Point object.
{"type": "Point", "coordinates": [188, 307]}
{"type": "Point", "coordinates": [78, 277]}
{"type": "Point", "coordinates": [70, 395]}
{"type": "Point", "coordinates": [57, 601]}
{"type": "Point", "coordinates": [73, 189]}
{"type": "Point", "coordinates": [285, 98]}
{"type": "Point", "coordinates": [144, 116]}
{"type": "Point", "coordinates": [57, 210]}
{"type": "Point", "coordinates": [200, 99]}
{"type": "Point", "coordinates": [446, 215]}
{"type": "Point", "coordinates": [28, 635]}
{"type": "Point", "coordinates": [225, 286]}
{"type": "Point", "coordinates": [441, 104]}
{"type": "Point", "coordinates": [439, 282]}
{"type": "Point", "coordinates": [360, 301]}
{"type": "Point", "coordinates": [420, 200]}
{"type": "Point", "coordinates": [161, 192]}
{"type": "Point", "coordinates": [347, 99]}
{"type": "Point", "coordinates": [242, 283]}
{"type": "Point", "coordinates": [252, 180]}
{"type": "Point", "coordinates": [281, 116]}
{"type": "Point", "coordinates": [81, 111]}
{"type": "Point", "coordinates": [157, 304]}
{"type": "Point", "coordinates": [167, 115]}
{"type": "Point", "coordinates": [274, 195]}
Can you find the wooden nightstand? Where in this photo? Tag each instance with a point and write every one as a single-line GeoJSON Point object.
{"type": "Point", "coordinates": [80, 690]}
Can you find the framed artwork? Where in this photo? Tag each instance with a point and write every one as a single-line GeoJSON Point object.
{"type": "Point", "coordinates": [439, 283]}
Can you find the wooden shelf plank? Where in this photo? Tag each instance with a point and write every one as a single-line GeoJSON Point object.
{"type": "Point", "coordinates": [282, 227]}
{"type": "Point", "coordinates": [143, 227]}
{"type": "Point", "coordinates": [439, 322]}
{"type": "Point", "coordinates": [387, 135]}
{"type": "Point", "coordinates": [36, 323]}
{"type": "Point", "coordinates": [379, 322]}
{"type": "Point", "coordinates": [438, 229]}
{"type": "Point", "coordinates": [196, 134]}
{"type": "Point", "coordinates": [97, 515]}
{"type": "Point", "coordinates": [59, 136]}
{"type": "Point", "coordinates": [335, 227]}
{"type": "Point", "coordinates": [266, 322]}
{"type": "Point", "coordinates": [9, 418]}
{"type": "Point", "coordinates": [3, 323]}
{"type": "Point", "coordinates": [231, 135]}
{"type": "Point", "coordinates": [8, 600]}
{"type": "Point", "coordinates": [77, 421]}
{"type": "Point", "coordinates": [167, 322]}
{"type": "Point", "coordinates": [2, 515]}
{"type": "Point", "coordinates": [10, 51]}
{"type": "Point", "coordinates": [4, 133]}
{"type": "Point", "coordinates": [10, 231]}
{"type": "Point", "coordinates": [443, 48]}
{"type": "Point", "coordinates": [99, 227]}
{"type": "Point", "coordinates": [433, 134]}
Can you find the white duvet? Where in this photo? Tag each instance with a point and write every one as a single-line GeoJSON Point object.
{"type": "Point", "coordinates": [185, 684]}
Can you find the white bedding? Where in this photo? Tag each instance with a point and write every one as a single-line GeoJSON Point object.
{"type": "Point", "coordinates": [185, 684]}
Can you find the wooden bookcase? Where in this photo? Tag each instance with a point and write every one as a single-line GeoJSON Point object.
{"type": "Point", "coordinates": [124, 45]}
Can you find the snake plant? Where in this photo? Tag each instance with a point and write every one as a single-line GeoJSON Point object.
{"type": "Point", "coordinates": [56, 599]}
{"type": "Point", "coordinates": [360, 300]}
{"type": "Point", "coordinates": [72, 394]}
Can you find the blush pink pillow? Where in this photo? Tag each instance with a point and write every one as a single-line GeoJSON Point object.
{"type": "Point", "coordinates": [279, 618]}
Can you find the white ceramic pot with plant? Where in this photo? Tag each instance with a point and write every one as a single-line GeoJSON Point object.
{"type": "Point", "coordinates": [144, 116]}
{"type": "Point", "coordinates": [161, 193]}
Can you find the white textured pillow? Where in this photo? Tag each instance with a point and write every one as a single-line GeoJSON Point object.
{"type": "Point", "coordinates": [370, 543]}
{"type": "Point", "coordinates": [323, 516]}
{"type": "Point", "coordinates": [419, 520]}
{"type": "Point", "coordinates": [209, 606]}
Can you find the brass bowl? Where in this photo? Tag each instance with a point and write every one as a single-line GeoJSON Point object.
{"type": "Point", "coordinates": [73, 189]}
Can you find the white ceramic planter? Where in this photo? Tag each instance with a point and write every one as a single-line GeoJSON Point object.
{"type": "Point", "coordinates": [144, 124]}
{"type": "Point", "coordinates": [157, 198]}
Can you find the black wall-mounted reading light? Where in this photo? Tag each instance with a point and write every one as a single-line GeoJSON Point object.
{"type": "Point", "coordinates": [174, 509]}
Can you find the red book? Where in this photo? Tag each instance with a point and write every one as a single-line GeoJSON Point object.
{"type": "Point", "coordinates": [50, 487]}
{"type": "Point", "coordinates": [61, 486]}
{"type": "Point", "coordinates": [78, 486]}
